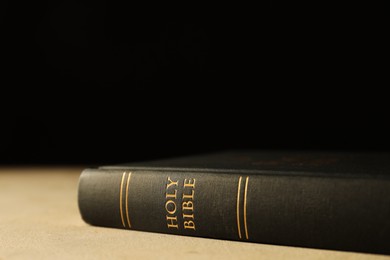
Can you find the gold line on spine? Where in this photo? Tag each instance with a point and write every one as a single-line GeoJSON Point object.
{"type": "Point", "coordinates": [245, 195]}
{"type": "Point", "coordinates": [238, 207]}
{"type": "Point", "coordinates": [120, 199]}
{"type": "Point", "coordinates": [127, 196]}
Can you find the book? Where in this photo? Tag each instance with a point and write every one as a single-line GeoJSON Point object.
{"type": "Point", "coordinates": [322, 200]}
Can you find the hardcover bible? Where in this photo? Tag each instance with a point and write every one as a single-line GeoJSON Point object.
{"type": "Point", "coordinates": [320, 200]}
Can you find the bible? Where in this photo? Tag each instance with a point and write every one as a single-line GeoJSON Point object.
{"type": "Point", "coordinates": [328, 200]}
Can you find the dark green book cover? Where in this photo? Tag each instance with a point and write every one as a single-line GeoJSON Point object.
{"type": "Point", "coordinates": [321, 200]}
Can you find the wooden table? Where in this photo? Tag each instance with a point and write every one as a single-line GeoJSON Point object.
{"type": "Point", "coordinates": [39, 219]}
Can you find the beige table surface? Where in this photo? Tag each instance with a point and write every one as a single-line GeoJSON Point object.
{"type": "Point", "coordinates": [39, 219]}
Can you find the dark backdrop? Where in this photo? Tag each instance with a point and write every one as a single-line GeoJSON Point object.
{"type": "Point", "coordinates": [94, 82]}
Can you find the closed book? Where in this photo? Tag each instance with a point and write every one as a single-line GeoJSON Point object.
{"type": "Point", "coordinates": [310, 199]}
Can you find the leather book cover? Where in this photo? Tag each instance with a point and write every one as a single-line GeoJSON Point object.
{"type": "Point", "coordinates": [321, 200]}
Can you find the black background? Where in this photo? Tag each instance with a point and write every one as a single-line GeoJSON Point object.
{"type": "Point", "coordinates": [95, 82]}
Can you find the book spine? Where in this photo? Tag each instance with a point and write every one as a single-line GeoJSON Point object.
{"type": "Point", "coordinates": [311, 211]}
